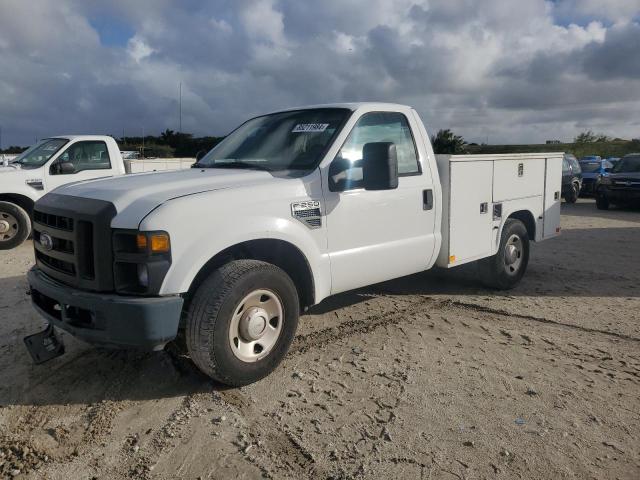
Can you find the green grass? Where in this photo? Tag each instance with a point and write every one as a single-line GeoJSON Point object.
{"type": "Point", "coordinates": [614, 148]}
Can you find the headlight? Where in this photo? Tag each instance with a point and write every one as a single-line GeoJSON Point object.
{"type": "Point", "coordinates": [141, 261]}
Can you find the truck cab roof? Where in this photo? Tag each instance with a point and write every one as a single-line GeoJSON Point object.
{"type": "Point", "coordinates": [82, 137]}
{"type": "Point", "coordinates": [353, 106]}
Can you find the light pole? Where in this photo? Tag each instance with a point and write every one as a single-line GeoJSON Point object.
{"type": "Point", "coordinates": [180, 107]}
{"type": "Point", "coordinates": [143, 143]}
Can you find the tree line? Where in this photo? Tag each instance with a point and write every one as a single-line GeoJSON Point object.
{"type": "Point", "coordinates": [177, 144]}
{"type": "Point", "coordinates": [166, 145]}
{"type": "Point", "coordinates": [585, 143]}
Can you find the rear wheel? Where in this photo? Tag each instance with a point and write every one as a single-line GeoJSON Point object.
{"type": "Point", "coordinates": [505, 269]}
{"type": "Point", "coordinates": [241, 321]}
{"type": "Point", "coordinates": [15, 225]}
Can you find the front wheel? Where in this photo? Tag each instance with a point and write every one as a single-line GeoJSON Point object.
{"type": "Point", "coordinates": [602, 202]}
{"type": "Point", "coordinates": [15, 225]}
{"type": "Point", "coordinates": [504, 270]}
{"type": "Point", "coordinates": [241, 321]}
{"type": "Point", "coordinates": [572, 193]}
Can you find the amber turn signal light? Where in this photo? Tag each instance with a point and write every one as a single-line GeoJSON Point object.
{"type": "Point", "coordinates": [156, 242]}
{"type": "Point", "coordinates": [141, 241]}
{"type": "Point", "coordinates": [159, 242]}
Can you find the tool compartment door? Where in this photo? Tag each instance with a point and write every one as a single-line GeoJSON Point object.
{"type": "Point", "coordinates": [470, 218]}
{"type": "Point", "coordinates": [552, 198]}
{"type": "Point", "coordinates": [518, 178]}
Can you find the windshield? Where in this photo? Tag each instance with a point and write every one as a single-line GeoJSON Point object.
{"type": "Point", "coordinates": [627, 165]}
{"type": "Point", "coordinates": [280, 141]}
{"type": "Point", "coordinates": [38, 154]}
{"type": "Point", "coordinates": [575, 164]}
{"type": "Point", "coordinates": [590, 167]}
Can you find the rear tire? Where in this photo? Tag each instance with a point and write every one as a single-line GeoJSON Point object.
{"type": "Point", "coordinates": [505, 269]}
{"type": "Point", "coordinates": [241, 321]}
{"type": "Point", "coordinates": [15, 225]}
{"type": "Point", "coordinates": [602, 202]}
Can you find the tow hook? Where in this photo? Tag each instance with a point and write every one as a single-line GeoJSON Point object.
{"type": "Point", "coordinates": [45, 345]}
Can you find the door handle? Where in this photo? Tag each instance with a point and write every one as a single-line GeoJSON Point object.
{"type": "Point", "coordinates": [427, 199]}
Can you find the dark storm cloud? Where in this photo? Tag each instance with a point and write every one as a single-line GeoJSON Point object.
{"type": "Point", "coordinates": [482, 68]}
{"type": "Point", "coordinates": [617, 57]}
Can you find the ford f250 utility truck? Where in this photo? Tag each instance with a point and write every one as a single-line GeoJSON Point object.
{"type": "Point", "coordinates": [288, 209]}
{"type": "Point", "coordinates": [53, 162]}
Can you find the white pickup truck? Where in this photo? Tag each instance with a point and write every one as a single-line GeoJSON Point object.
{"type": "Point", "coordinates": [290, 208]}
{"type": "Point", "coordinates": [53, 162]}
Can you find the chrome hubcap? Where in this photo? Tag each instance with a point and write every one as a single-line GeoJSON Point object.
{"type": "Point", "coordinates": [513, 254]}
{"type": "Point", "coordinates": [8, 226]}
{"type": "Point", "coordinates": [256, 325]}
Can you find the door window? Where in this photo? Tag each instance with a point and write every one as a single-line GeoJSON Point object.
{"type": "Point", "coordinates": [89, 155]}
{"type": "Point", "coordinates": [345, 172]}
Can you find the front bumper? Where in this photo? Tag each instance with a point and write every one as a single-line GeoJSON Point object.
{"type": "Point", "coordinates": [588, 186]}
{"type": "Point", "coordinates": [109, 320]}
{"type": "Point", "coordinates": [622, 195]}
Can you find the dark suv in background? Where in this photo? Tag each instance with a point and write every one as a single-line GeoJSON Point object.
{"type": "Point", "coordinates": [571, 178]}
{"type": "Point", "coordinates": [622, 184]}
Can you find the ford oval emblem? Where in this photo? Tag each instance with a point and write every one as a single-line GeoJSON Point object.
{"type": "Point", "coordinates": [46, 241]}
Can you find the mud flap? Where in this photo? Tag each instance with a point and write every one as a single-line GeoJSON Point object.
{"type": "Point", "coordinates": [45, 345]}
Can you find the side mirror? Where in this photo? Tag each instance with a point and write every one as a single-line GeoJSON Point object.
{"type": "Point", "coordinates": [62, 168]}
{"type": "Point", "coordinates": [379, 166]}
{"type": "Point", "coordinates": [200, 154]}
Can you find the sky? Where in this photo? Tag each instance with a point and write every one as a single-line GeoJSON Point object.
{"type": "Point", "coordinates": [496, 71]}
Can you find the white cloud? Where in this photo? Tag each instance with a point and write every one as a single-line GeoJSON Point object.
{"type": "Point", "coordinates": [482, 67]}
{"type": "Point", "coordinates": [138, 49]}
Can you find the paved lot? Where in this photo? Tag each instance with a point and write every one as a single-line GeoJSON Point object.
{"type": "Point", "coordinates": [429, 376]}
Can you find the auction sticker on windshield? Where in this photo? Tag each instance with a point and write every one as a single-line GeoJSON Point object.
{"type": "Point", "coordinates": [310, 127]}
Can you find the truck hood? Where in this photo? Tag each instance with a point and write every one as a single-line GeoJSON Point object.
{"type": "Point", "coordinates": [134, 196]}
{"type": "Point", "coordinates": [13, 167]}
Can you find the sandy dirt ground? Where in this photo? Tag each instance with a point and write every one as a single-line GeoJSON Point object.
{"type": "Point", "coordinates": [426, 377]}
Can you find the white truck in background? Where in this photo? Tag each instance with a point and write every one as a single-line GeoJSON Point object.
{"type": "Point", "coordinates": [57, 161]}
{"type": "Point", "coordinates": [290, 208]}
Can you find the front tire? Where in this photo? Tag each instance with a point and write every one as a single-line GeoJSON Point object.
{"type": "Point", "coordinates": [572, 194]}
{"type": "Point", "coordinates": [241, 321]}
{"type": "Point", "coordinates": [15, 225]}
{"type": "Point", "coordinates": [505, 269]}
{"type": "Point", "coordinates": [602, 202]}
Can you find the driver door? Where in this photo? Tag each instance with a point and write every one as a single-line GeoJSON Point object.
{"type": "Point", "coordinates": [378, 235]}
{"type": "Point", "coordinates": [83, 160]}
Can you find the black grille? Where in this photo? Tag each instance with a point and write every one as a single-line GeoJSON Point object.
{"type": "Point", "coordinates": [72, 240]}
{"type": "Point", "coordinates": [54, 221]}
{"type": "Point", "coordinates": [62, 266]}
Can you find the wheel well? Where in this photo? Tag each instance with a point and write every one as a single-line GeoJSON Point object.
{"type": "Point", "coordinates": [277, 252]}
{"type": "Point", "coordinates": [526, 217]}
{"type": "Point", "coordinates": [20, 200]}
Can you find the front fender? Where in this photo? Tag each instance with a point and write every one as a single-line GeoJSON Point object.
{"type": "Point", "coordinates": [198, 234]}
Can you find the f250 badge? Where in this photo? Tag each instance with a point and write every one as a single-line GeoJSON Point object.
{"type": "Point", "coordinates": [308, 213]}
